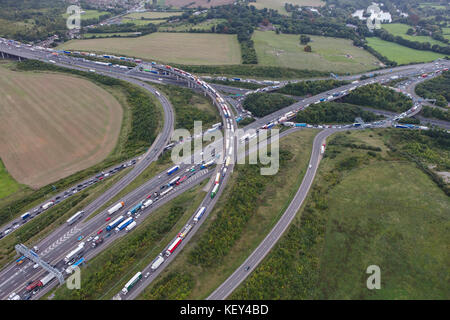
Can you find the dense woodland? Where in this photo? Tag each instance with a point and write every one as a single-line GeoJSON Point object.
{"type": "Point", "coordinates": [310, 88]}
{"type": "Point", "coordinates": [261, 104]}
{"type": "Point", "coordinates": [437, 88]}
{"type": "Point", "coordinates": [379, 97]}
{"type": "Point", "coordinates": [333, 112]}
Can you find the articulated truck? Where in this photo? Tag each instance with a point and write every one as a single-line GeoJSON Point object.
{"type": "Point", "coordinates": [173, 246]}
{"type": "Point", "coordinates": [115, 223]}
{"type": "Point", "coordinates": [157, 262]}
{"type": "Point", "coordinates": [116, 208]}
{"type": "Point", "coordinates": [130, 284]}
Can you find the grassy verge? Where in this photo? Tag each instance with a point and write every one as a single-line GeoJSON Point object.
{"type": "Point", "coordinates": [401, 54]}
{"type": "Point", "coordinates": [251, 204]}
{"type": "Point", "coordinates": [141, 122]}
{"type": "Point", "coordinates": [365, 208]}
{"type": "Point", "coordinates": [108, 272]}
{"type": "Point", "coordinates": [7, 183]}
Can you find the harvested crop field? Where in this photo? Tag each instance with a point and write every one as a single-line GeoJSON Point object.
{"type": "Point", "coordinates": [54, 125]}
{"type": "Point", "coordinates": [186, 48]}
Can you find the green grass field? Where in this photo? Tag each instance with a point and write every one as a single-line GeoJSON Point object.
{"type": "Point", "coordinates": [186, 48]}
{"type": "Point", "coordinates": [7, 183]}
{"type": "Point", "coordinates": [89, 14]}
{"type": "Point", "coordinates": [384, 213]}
{"type": "Point", "coordinates": [400, 29]}
{"type": "Point", "coordinates": [431, 5]}
{"type": "Point", "coordinates": [328, 54]}
{"type": "Point", "coordinates": [279, 4]}
{"type": "Point", "coordinates": [204, 25]}
{"type": "Point", "coordinates": [446, 33]}
{"type": "Point", "coordinates": [153, 15]}
{"type": "Point", "coordinates": [401, 54]}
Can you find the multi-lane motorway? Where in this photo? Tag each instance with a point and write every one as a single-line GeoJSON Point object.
{"type": "Point", "coordinates": [13, 278]}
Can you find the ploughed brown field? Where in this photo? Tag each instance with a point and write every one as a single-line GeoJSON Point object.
{"type": "Point", "coordinates": [53, 125]}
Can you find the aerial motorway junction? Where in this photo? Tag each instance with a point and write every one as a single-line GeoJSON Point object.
{"type": "Point", "coordinates": [49, 262]}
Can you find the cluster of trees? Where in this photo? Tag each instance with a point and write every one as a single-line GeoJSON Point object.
{"type": "Point", "coordinates": [429, 112]}
{"type": "Point", "coordinates": [385, 35]}
{"type": "Point", "coordinates": [240, 20]}
{"type": "Point", "coordinates": [409, 121]}
{"type": "Point", "coordinates": [183, 100]}
{"type": "Point", "coordinates": [31, 20]}
{"type": "Point", "coordinates": [176, 285]}
{"type": "Point", "coordinates": [333, 112]}
{"type": "Point", "coordinates": [379, 97]}
{"type": "Point", "coordinates": [261, 104]}
{"type": "Point", "coordinates": [125, 27]}
{"type": "Point", "coordinates": [248, 52]}
{"type": "Point", "coordinates": [304, 39]}
{"type": "Point", "coordinates": [437, 88]}
{"type": "Point", "coordinates": [267, 72]}
{"type": "Point", "coordinates": [310, 88]}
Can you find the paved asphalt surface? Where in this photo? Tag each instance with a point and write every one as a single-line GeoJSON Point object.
{"type": "Point", "coordinates": [57, 254]}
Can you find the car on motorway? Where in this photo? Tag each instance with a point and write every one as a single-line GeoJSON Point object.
{"type": "Point", "coordinates": [80, 238]}
{"type": "Point", "coordinates": [107, 219]}
{"type": "Point", "coordinates": [108, 235]}
{"type": "Point", "coordinates": [247, 268]}
{"type": "Point", "coordinates": [36, 266]}
{"type": "Point", "coordinates": [149, 196]}
{"type": "Point", "coordinates": [89, 239]}
{"type": "Point", "coordinates": [99, 231]}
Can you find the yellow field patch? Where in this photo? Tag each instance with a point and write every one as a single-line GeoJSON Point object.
{"type": "Point", "coordinates": [185, 48]}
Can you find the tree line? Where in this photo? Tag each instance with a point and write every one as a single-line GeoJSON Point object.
{"type": "Point", "coordinates": [378, 97]}
{"type": "Point", "coordinates": [261, 104]}
{"type": "Point", "coordinates": [334, 112]}
{"type": "Point", "coordinates": [310, 88]}
{"type": "Point", "coordinates": [437, 88]}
